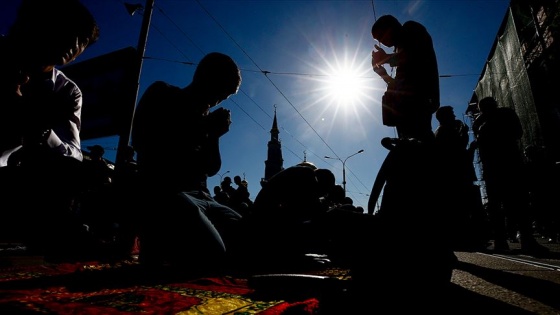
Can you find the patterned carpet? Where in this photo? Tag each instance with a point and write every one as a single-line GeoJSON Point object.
{"type": "Point", "coordinates": [33, 286]}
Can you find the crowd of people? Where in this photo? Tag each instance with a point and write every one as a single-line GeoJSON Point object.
{"type": "Point", "coordinates": [427, 178]}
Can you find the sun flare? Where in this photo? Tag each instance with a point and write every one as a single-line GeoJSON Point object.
{"type": "Point", "coordinates": [346, 93]}
{"type": "Point", "coordinates": [347, 84]}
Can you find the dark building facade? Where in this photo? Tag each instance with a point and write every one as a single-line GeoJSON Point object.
{"type": "Point", "coordinates": [523, 72]}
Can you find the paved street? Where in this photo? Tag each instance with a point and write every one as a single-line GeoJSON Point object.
{"type": "Point", "coordinates": [510, 283]}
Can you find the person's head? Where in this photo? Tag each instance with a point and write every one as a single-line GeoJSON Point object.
{"type": "Point", "coordinates": [237, 179]}
{"type": "Point", "coordinates": [217, 190]}
{"type": "Point", "coordinates": [385, 30]}
{"type": "Point", "coordinates": [226, 181]}
{"type": "Point", "coordinates": [445, 114]}
{"type": "Point", "coordinates": [96, 151]}
{"type": "Point", "coordinates": [47, 33]}
{"type": "Point", "coordinates": [326, 180]}
{"type": "Point", "coordinates": [487, 105]}
{"type": "Point", "coordinates": [217, 76]}
{"type": "Point", "coordinates": [128, 153]}
{"type": "Point", "coordinates": [337, 194]}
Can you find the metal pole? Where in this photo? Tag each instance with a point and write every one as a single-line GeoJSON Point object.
{"type": "Point", "coordinates": [221, 176]}
{"type": "Point", "coordinates": [140, 50]}
{"type": "Point", "coordinates": [344, 167]}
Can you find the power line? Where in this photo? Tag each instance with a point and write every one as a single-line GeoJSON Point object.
{"type": "Point", "coordinates": [275, 86]}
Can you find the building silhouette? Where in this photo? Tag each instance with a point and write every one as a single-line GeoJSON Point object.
{"type": "Point", "coordinates": [274, 162]}
{"type": "Point", "coordinates": [521, 73]}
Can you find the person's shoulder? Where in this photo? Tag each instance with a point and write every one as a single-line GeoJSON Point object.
{"type": "Point", "coordinates": [159, 90]}
{"type": "Point", "coordinates": [61, 78]}
{"type": "Point", "coordinates": [65, 85]}
{"type": "Point", "coordinates": [161, 85]}
{"type": "Point", "coordinates": [506, 112]}
{"type": "Point", "coordinates": [461, 124]}
{"type": "Point", "coordinates": [414, 25]}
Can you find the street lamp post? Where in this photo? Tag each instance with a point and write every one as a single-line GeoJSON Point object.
{"type": "Point", "coordinates": [222, 175]}
{"type": "Point", "coordinates": [343, 167]}
{"type": "Point", "coordinates": [124, 137]}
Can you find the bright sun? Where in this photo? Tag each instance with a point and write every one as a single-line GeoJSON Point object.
{"type": "Point", "coordinates": [346, 86]}
{"type": "Point", "coordinates": [346, 90]}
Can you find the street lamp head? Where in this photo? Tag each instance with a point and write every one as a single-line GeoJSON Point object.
{"type": "Point", "coordinates": [362, 150]}
{"type": "Point", "coordinates": [133, 8]}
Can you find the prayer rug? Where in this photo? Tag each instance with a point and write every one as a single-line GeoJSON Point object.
{"type": "Point", "coordinates": [121, 288]}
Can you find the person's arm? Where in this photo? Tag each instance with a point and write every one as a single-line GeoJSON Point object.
{"type": "Point", "coordinates": [218, 123]}
{"type": "Point", "coordinates": [378, 58]}
{"type": "Point", "coordinates": [64, 137]}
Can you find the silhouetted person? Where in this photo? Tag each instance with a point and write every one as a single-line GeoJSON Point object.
{"type": "Point", "coordinates": [177, 138]}
{"type": "Point", "coordinates": [127, 172]}
{"type": "Point", "coordinates": [221, 196]}
{"type": "Point", "coordinates": [97, 200]}
{"type": "Point", "coordinates": [40, 119]}
{"type": "Point", "coordinates": [227, 187]}
{"type": "Point", "coordinates": [97, 171]}
{"type": "Point", "coordinates": [498, 132]}
{"type": "Point", "coordinates": [412, 96]}
{"type": "Point", "coordinates": [287, 209]}
{"type": "Point", "coordinates": [411, 208]}
{"type": "Point", "coordinates": [240, 200]}
{"type": "Point", "coordinates": [458, 174]}
{"type": "Point", "coordinates": [124, 201]}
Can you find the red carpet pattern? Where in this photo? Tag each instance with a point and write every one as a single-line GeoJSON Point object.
{"type": "Point", "coordinates": [82, 288]}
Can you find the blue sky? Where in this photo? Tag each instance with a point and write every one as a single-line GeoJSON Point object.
{"type": "Point", "coordinates": [308, 59]}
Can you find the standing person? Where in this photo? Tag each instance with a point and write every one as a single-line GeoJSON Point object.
{"type": "Point", "coordinates": [227, 187]}
{"type": "Point", "coordinates": [40, 121]}
{"type": "Point", "coordinates": [220, 195]}
{"type": "Point", "coordinates": [459, 191]}
{"type": "Point", "coordinates": [409, 176]}
{"type": "Point", "coordinates": [241, 197]}
{"type": "Point", "coordinates": [412, 95]}
{"type": "Point", "coordinates": [497, 133]}
{"type": "Point", "coordinates": [177, 140]}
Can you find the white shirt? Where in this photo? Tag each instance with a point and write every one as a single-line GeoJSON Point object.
{"type": "Point", "coordinates": [64, 137]}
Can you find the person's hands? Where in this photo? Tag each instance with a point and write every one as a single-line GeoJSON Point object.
{"type": "Point", "coordinates": [381, 71]}
{"type": "Point", "coordinates": [219, 121]}
{"type": "Point", "coordinates": [379, 57]}
{"type": "Point", "coordinates": [13, 81]}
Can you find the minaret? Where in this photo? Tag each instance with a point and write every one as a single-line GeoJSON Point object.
{"type": "Point", "coordinates": [274, 161]}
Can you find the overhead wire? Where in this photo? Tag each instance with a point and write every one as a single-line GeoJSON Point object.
{"type": "Point", "coordinates": [266, 75]}
{"type": "Point", "coordinates": [162, 12]}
